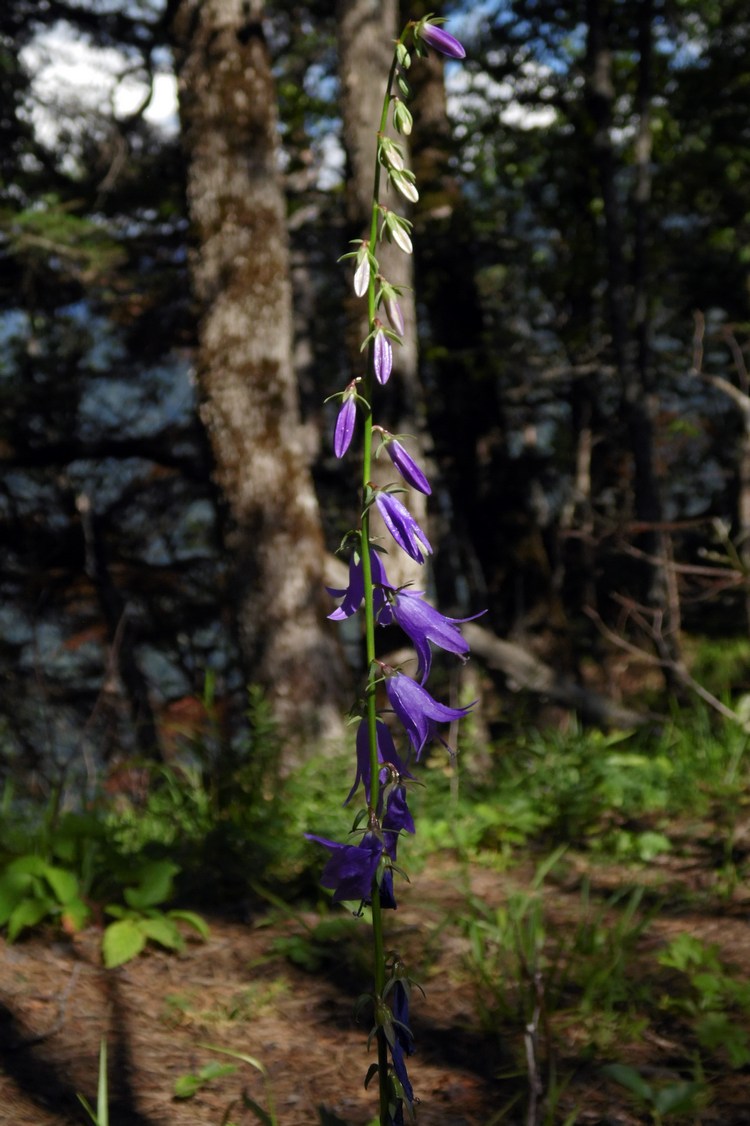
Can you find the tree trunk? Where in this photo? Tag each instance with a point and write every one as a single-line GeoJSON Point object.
{"type": "Point", "coordinates": [630, 332]}
{"type": "Point", "coordinates": [240, 274]}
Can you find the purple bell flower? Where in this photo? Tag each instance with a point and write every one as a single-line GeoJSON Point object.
{"type": "Point", "coordinates": [352, 869]}
{"type": "Point", "coordinates": [386, 753]}
{"type": "Point", "coordinates": [344, 431]}
{"type": "Point", "coordinates": [403, 527]}
{"type": "Point", "coordinates": [418, 711]}
{"type": "Point", "coordinates": [441, 40]}
{"type": "Point", "coordinates": [406, 465]}
{"type": "Point", "coordinates": [423, 624]}
{"type": "Point", "coordinates": [355, 592]}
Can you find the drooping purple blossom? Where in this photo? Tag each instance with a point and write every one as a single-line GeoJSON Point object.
{"type": "Point", "coordinates": [344, 430]}
{"type": "Point", "coordinates": [440, 39]}
{"type": "Point", "coordinates": [403, 527]}
{"type": "Point", "coordinates": [398, 818]}
{"type": "Point", "coordinates": [417, 710]}
{"type": "Point", "coordinates": [354, 594]}
{"type": "Point", "coordinates": [386, 753]}
{"type": "Point", "coordinates": [423, 624]}
{"type": "Point", "coordinates": [407, 466]}
{"type": "Point", "coordinates": [351, 869]}
{"type": "Point", "coordinates": [382, 355]}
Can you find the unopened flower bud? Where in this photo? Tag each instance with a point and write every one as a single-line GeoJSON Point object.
{"type": "Point", "coordinates": [382, 355]}
{"type": "Point", "coordinates": [402, 119]}
{"type": "Point", "coordinates": [394, 314]}
{"type": "Point", "coordinates": [441, 40]}
{"type": "Point", "coordinates": [404, 183]}
{"type": "Point", "coordinates": [406, 465]}
{"type": "Point", "coordinates": [397, 230]}
{"type": "Point", "coordinates": [347, 416]}
{"type": "Point", "coordinates": [362, 271]}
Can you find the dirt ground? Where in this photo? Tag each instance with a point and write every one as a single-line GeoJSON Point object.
{"type": "Point", "coordinates": [239, 992]}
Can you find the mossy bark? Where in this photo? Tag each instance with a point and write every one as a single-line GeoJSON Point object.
{"type": "Point", "coordinates": [240, 273]}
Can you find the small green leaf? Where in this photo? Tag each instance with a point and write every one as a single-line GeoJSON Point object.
{"type": "Point", "coordinates": [677, 1098]}
{"type": "Point", "coordinates": [629, 1078]}
{"type": "Point", "coordinates": [193, 920]}
{"type": "Point", "coordinates": [28, 913]}
{"type": "Point", "coordinates": [117, 912]}
{"type": "Point", "coordinates": [162, 930]}
{"type": "Point", "coordinates": [186, 1086]}
{"type": "Point", "coordinates": [122, 941]}
{"type": "Point", "coordinates": [154, 885]}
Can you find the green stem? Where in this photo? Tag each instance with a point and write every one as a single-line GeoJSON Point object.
{"type": "Point", "coordinates": [372, 672]}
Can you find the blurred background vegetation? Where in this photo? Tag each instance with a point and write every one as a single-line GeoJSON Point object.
{"type": "Point", "coordinates": [580, 395]}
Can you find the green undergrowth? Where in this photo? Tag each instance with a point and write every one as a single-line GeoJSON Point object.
{"type": "Point", "coordinates": [561, 969]}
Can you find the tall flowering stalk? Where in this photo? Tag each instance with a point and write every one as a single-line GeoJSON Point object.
{"type": "Point", "coordinates": [363, 869]}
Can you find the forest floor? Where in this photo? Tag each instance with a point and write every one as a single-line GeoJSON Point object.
{"type": "Point", "coordinates": [240, 990]}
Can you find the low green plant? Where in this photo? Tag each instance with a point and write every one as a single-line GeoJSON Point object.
{"type": "Point", "coordinates": [266, 1115]}
{"type": "Point", "coordinates": [710, 996]}
{"type": "Point", "coordinates": [186, 1086]}
{"type": "Point", "coordinates": [660, 1102]}
{"type": "Point", "coordinates": [33, 890]}
{"type": "Point", "coordinates": [143, 920]}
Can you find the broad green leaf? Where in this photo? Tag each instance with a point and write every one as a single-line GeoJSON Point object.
{"type": "Point", "coordinates": [63, 883]}
{"type": "Point", "coordinates": [13, 888]}
{"type": "Point", "coordinates": [28, 865]}
{"type": "Point", "coordinates": [154, 884]}
{"type": "Point", "coordinates": [122, 941]}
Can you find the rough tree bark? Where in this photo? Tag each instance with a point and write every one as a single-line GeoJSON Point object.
{"type": "Point", "coordinates": [240, 274]}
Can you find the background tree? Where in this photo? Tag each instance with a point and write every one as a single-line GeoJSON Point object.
{"type": "Point", "coordinates": [240, 271]}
